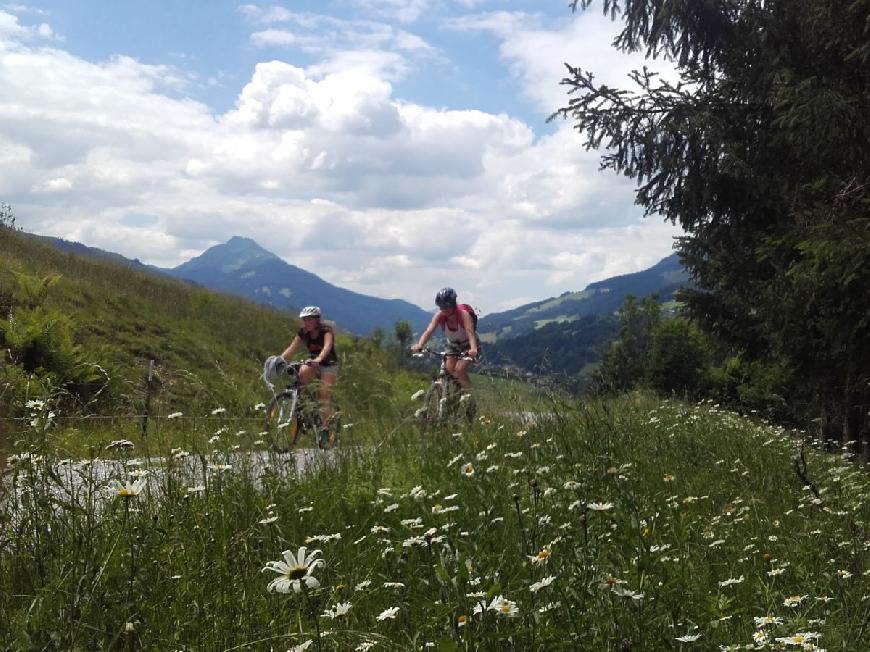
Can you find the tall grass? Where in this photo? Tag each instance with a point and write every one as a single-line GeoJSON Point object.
{"type": "Point", "coordinates": [623, 525]}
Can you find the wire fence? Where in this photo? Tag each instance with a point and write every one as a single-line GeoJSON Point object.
{"type": "Point", "coordinates": [120, 417]}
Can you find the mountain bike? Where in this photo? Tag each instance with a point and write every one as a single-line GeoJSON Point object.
{"type": "Point", "coordinates": [294, 411]}
{"type": "Point", "coordinates": [444, 402]}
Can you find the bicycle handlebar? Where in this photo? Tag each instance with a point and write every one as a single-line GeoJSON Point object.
{"type": "Point", "coordinates": [443, 354]}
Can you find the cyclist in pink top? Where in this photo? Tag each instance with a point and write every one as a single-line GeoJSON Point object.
{"type": "Point", "coordinates": [457, 321]}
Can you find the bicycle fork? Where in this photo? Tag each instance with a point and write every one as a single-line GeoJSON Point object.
{"type": "Point", "coordinates": [291, 413]}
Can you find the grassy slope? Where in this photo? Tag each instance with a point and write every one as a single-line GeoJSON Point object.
{"type": "Point", "coordinates": [208, 348]}
{"type": "Point", "coordinates": [130, 318]}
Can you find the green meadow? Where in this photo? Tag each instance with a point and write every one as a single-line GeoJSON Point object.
{"type": "Point", "coordinates": [139, 515]}
{"type": "Point", "coordinates": [633, 524]}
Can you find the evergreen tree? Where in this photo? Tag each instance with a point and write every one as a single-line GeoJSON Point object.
{"type": "Point", "coordinates": [761, 152]}
{"type": "Point", "coordinates": [404, 333]}
{"type": "Point", "coordinates": [624, 363]}
{"type": "Point", "coordinates": [678, 358]}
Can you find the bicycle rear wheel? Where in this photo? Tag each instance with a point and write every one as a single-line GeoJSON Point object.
{"type": "Point", "coordinates": [283, 421]}
{"type": "Point", "coordinates": [468, 407]}
{"type": "Point", "coordinates": [430, 414]}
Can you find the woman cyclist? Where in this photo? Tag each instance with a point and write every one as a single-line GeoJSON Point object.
{"type": "Point", "coordinates": [319, 338]}
{"type": "Point", "coordinates": [458, 325]}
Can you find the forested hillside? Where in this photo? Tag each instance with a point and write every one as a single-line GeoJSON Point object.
{"type": "Point", "coordinates": [566, 336]}
{"type": "Point", "coordinates": [602, 298]}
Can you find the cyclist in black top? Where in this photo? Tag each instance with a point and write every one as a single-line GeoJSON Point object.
{"type": "Point", "coordinates": [319, 338]}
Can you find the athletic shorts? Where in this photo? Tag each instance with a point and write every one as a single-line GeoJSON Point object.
{"type": "Point", "coordinates": [327, 368]}
{"type": "Point", "coordinates": [460, 347]}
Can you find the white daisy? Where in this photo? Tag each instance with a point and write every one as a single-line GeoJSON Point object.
{"type": "Point", "coordinates": [128, 489]}
{"type": "Point", "coordinates": [294, 571]}
{"type": "Point", "coordinates": [388, 613]}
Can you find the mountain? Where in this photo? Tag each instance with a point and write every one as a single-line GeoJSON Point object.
{"type": "Point", "coordinates": [567, 335]}
{"type": "Point", "coordinates": [600, 298]}
{"type": "Point", "coordinates": [242, 267]}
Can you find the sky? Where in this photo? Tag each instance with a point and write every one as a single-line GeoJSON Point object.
{"type": "Point", "coordinates": [392, 147]}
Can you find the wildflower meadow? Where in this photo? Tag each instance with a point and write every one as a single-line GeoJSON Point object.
{"type": "Point", "coordinates": [632, 524]}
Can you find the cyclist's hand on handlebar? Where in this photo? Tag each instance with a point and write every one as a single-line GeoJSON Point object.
{"type": "Point", "coordinates": [313, 362]}
{"type": "Point", "coordinates": [415, 348]}
{"type": "Point", "coordinates": [472, 353]}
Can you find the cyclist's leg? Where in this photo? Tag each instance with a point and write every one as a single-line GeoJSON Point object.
{"type": "Point", "coordinates": [328, 378]}
{"type": "Point", "coordinates": [307, 373]}
{"type": "Point", "coordinates": [460, 372]}
{"type": "Point", "coordinates": [459, 368]}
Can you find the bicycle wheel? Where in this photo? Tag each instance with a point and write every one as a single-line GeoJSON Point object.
{"type": "Point", "coordinates": [467, 407]}
{"type": "Point", "coordinates": [430, 413]}
{"type": "Point", "coordinates": [283, 422]}
{"type": "Point", "coordinates": [333, 430]}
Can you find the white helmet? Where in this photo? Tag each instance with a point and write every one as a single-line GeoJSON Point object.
{"type": "Point", "coordinates": [310, 311]}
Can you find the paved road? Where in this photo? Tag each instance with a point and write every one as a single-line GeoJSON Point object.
{"type": "Point", "coordinates": [90, 483]}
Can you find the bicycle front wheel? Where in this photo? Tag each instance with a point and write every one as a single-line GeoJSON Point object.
{"type": "Point", "coordinates": [430, 413]}
{"type": "Point", "coordinates": [283, 425]}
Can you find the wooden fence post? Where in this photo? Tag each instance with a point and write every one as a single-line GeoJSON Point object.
{"type": "Point", "coordinates": [149, 390]}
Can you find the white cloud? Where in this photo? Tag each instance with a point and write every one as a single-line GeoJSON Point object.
{"type": "Point", "coordinates": [11, 28]}
{"type": "Point", "coordinates": [266, 16]}
{"type": "Point", "coordinates": [377, 48]}
{"type": "Point", "coordinates": [404, 11]}
{"type": "Point", "coordinates": [58, 184]}
{"type": "Point", "coordinates": [17, 8]}
{"type": "Point", "coordinates": [536, 51]}
{"type": "Point", "coordinates": [325, 167]}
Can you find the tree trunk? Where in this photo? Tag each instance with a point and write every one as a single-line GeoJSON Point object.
{"type": "Point", "coordinates": [830, 430]}
{"type": "Point", "coordinates": [863, 410]}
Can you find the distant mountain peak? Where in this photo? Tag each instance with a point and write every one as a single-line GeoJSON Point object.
{"type": "Point", "coordinates": [241, 246]}
{"type": "Point", "coordinates": [236, 253]}
{"type": "Point", "coordinates": [241, 242]}
{"type": "Point", "coordinates": [241, 266]}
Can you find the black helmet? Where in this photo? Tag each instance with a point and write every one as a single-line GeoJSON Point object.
{"type": "Point", "coordinates": [445, 297]}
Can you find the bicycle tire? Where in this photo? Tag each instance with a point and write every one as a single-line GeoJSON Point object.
{"type": "Point", "coordinates": [283, 421]}
{"type": "Point", "coordinates": [468, 409]}
{"type": "Point", "coordinates": [334, 429]}
{"type": "Point", "coordinates": [430, 414]}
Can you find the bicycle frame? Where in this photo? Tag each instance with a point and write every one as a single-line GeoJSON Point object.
{"type": "Point", "coordinates": [445, 389]}
{"type": "Point", "coordinates": [293, 411]}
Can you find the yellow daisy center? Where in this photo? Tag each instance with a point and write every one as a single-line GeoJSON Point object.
{"type": "Point", "coordinates": [297, 572]}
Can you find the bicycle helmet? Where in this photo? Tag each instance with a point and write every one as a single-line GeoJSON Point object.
{"type": "Point", "coordinates": [310, 311]}
{"type": "Point", "coordinates": [445, 297]}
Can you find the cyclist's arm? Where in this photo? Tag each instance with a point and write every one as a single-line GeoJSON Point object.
{"type": "Point", "coordinates": [468, 323]}
{"type": "Point", "coordinates": [427, 333]}
{"type": "Point", "coordinates": [290, 350]}
{"type": "Point", "coordinates": [328, 338]}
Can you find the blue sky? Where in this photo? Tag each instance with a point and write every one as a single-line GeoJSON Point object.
{"type": "Point", "coordinates": [390, 146]}
{"type": "Point", "coordinates": [212, 41]}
